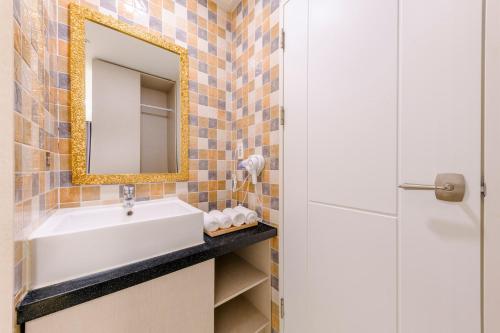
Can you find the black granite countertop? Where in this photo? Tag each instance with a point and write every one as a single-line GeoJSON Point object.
{"type": "Point", "coordinates": [50, 299]}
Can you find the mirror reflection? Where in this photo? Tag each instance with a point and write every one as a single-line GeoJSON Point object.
{"type": "Point", "coordinates": [132, 104]}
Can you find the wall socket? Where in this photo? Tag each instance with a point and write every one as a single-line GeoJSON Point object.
{"type": "Point", "coordinates": [47, 160]}
{"type": "Point", "coordinates": [239, 150]}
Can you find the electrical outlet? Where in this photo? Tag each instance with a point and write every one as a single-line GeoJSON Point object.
{"type": "Point", "coordinates": [239, 150]}
{"type": "Point", "coordinates": [47, 160]}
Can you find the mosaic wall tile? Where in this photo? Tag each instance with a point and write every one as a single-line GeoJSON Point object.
{"type": "Point", "coordinates": [34, 120]}
{"type": "Point", "coordinates": [233, 90]}
{"type": "Point", "coordinates": [255, 112]}
{"type": "Point", "coordinates": [185, 23]}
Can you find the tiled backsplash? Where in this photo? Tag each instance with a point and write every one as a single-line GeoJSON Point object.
{"type": "Point", "coordinates": [255, 108]}
{"type": "Point", "coordinates": [233, 87]}
{"type": "Point", "coordinates": [36, 123]}
{"type": "Point", "coordinates": [255, 98]}
{"type": "Point", "coordinates": [201, 27]}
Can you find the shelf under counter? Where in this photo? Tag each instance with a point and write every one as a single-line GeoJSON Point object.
{"type": "Point", "coordinates": [242, 293]}
{"type": "Point", "coordinates": [234, 276]}
{"type": "Point", "coordinates": [43, 301]}
{"type": "Point", "coordinates": [239, 315]}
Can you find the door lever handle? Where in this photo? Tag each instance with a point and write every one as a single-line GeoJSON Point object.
{"type": "Point", "coordinates": [447, 187]}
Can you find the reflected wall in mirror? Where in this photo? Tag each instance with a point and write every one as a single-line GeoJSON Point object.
{"type": "Point", "coordinates": [129, 103]}
{"type": "Point", "coordinates": [134, 85]}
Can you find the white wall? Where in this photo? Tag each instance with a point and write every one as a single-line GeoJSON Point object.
{"type": "Point", "coordinates": [6, 166]}
{"type": "Point", "coordinates": [115, 119]}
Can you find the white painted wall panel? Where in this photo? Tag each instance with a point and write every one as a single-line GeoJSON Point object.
{"type": "Point", "coordinates": [353, 103]}
{"type": "Point", "coordinates": [295, 174]}
{"type": "Point", "coordinates": [352, 271]}
{"type": "Point", "coordinates": [440, 131]}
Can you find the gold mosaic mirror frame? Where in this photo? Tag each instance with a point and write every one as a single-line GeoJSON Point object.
{"type": "Point", "coordinates": [77, 18]}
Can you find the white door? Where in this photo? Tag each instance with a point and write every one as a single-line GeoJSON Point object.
{"type": "Point", "coordinates": [376, 94]}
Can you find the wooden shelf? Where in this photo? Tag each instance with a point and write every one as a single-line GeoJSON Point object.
{"type": "Point", "coordinates": [239, 316]}
{"type": "Point", "coordinates": [234, 276]}
{"type": "Point", "coordinates": [230, 229]}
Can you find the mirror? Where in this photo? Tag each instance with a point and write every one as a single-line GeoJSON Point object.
{"type": "Point", "coordinates": [131, 109]}
{"type": "Point", "coordinates": [129, 102]}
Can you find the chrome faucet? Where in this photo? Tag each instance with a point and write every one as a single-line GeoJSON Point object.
{"type": "Point", "coordinates": [128, 198]}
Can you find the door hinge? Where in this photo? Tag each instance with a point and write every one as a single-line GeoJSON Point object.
{"type": "Point", "coordinates": [483, 189]}
{"type": "Point", "coordinates": [282, 39]}
{"type": "Point", "coordinates": [282, 307]}
{"type": "Point", "coordinates": [282, 115]}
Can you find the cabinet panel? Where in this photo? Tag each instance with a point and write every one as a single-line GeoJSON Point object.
{"type": "Point", "coordinates": [178, 302]}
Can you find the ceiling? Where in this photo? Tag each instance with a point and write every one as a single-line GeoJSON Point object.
{"type": "Point", "coordinates": [227, 5]}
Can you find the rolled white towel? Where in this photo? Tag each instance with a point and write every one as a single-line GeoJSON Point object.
{"type": "Point", "coordinates": [223, 220]}
{"type": "Point", "coordinates": [236, 217]}
{"type": "Point", "coordinates": [250, 215]}
{"type": "Point", "coordinates": [210, 223]}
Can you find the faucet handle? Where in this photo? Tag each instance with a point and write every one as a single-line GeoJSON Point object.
{"type": "Point", "coordinates": [128, 190]}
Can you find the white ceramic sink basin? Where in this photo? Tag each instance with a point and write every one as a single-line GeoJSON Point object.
{"type": "Point", "coordinates": [76, 242]}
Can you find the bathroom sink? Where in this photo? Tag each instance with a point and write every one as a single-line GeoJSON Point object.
{"type": "Point", "coordinates": [75, 242]}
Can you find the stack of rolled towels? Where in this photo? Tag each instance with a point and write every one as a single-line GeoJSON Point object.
{"type": "Point", "coordinates": [229, 217]}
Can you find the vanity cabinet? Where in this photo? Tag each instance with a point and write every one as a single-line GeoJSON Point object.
{"type": "Point", "coordinates": [177, 302]}
{"type": "Point", "coordinates": [228, 294]}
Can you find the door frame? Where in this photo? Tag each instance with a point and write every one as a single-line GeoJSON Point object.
{"type": "Point", "coordinates": [491, 165]}
{"type": "Point", "coordinates": [281, 167]}
{"type": "Point", "coordinates": [6, 167]}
